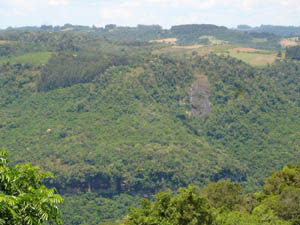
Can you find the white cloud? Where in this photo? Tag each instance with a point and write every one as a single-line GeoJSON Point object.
{"type": "Point", "coordinates": [58, 2]}
{"type": "Point", "coordinates": [33, 5]}
{"type": "Point", "coordinates": [20, 9]}
{"type": "Point", "coordinates": [199, 4]}
{"type": "Point", "coordinates": [131, 4]}
{"type": "Point", "coordinates": [3, 13]}
{"type": "Point", "coordinates": [24, 5]}
{"type": "Point", "coordinates": [113, 14]}
{"type": "Point", "coordinates": [209, 4]}
{"type": "Point", "coordinates": [129, 13]}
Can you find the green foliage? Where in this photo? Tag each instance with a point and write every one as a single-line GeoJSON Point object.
{"type": "Point", "coordinates": [240, 218]}
{"type": "Point", "coordinates": [287, 79]}
{"type": "Point", "coordinates": [224, 194]}
{"type": "Point", "coordinates": [281, 193]}
{"type": "Point", "coordinates": [253, 114]}
{"type": "Point", "coordinates": [225, 203]}
{"type": "Point", "coordinates": [65, 70]}
{"type": "Point", "coordinates": [113, 119]}
{"type": "Point", "coordinates": [23, 197]}
{"type": "Point", "coordinates": [93, 208]}
{"type": "Point", "coordinates": [187, 207]}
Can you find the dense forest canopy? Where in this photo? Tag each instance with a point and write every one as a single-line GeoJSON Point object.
{"type": "Point", "coordinates": [120, 113]}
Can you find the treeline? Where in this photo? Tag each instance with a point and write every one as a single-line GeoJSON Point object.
{"type": "Point", "coordinates": [73, 37]}
{"type": "Point", "coordinates": [283, 31]}
{"type": "Point", "coordinates": [186, 34]}
{"type": "Point", "coordinates": [191, 34]}
{"type": "Point", "coordinates": [41, 40]}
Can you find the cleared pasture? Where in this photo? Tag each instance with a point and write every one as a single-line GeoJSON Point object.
{"type": "Point", "coordinates": [254, 57]}
{"type": "Point", "coordinates": [33, 58]}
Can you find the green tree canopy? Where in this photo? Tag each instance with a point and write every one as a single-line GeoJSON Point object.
{"type": "Point", "coordinates": [23, 197]}
{"type": "Point", "coordinates": [224, 194]}
{"type": "Point", "coordinates": [281, 193]}
{"type": "Point", "coordinates": [188, 207]}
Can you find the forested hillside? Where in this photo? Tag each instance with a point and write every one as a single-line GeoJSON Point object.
{"type": "Point", "coordinates": [119, 119]}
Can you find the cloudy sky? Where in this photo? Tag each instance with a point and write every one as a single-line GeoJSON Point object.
{"type": "Point", "coordinates": [164, 12]}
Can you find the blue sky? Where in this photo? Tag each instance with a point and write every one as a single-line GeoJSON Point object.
{"type": "Point", "coordinates": [164, 12]}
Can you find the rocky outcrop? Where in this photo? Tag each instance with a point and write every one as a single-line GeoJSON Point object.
{"type": "Point", "coordinates": [199, 94]}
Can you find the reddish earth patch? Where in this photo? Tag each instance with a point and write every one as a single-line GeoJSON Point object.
{"type": "Point", "coordinates": [188, 46]}
{"type": "Point", "coordinates": [3, 42]}
{"type": "Point", "coordinates": [166, 40]}
{"type": "Point", "coordinates": [290, 42]}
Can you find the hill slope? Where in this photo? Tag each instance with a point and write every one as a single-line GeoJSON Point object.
{"type": "Point", "coordinates": [114, 122]}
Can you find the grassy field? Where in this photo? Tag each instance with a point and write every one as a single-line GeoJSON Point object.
{"type": "Point", "coordinates": [34, 58]}
{"type": "Point", "coordinates": [199, 49]}
{"type": "Point", "coordinates": [259, 40]}
{"type": "Point", "coordinates": [254, 57]}
{"type": "Point", "coordinates": [214, 41]}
